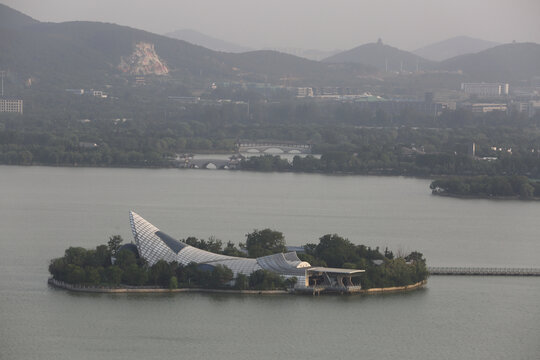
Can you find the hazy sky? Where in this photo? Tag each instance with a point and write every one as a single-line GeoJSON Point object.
{"type": "Point", "coordinates": [315, 24]}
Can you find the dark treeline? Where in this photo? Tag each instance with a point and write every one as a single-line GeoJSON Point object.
{"type": "Point", "coordinates": [350, 138]}
{"type": "Point", "coordinates": [488, 186]}
{"type": "Point", "coordinates": [527, 164]}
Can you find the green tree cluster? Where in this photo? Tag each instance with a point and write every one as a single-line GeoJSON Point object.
{"type": "Point", "coordinates": [266, 280]}
{"type": "Point", "coordinates": [79, 265]}
{"type": "Point", "coordinates": [265, 163]}
{"type": "Point", "coordinates": [141, 128]}
{"type": "Point", "coordinates": [381, 270]}
{"type": "Point", "coordinates": [264, 242]}
{"type": "Point", "coordinates": [488, 186]}
{"type": "Point", "coordinates": [215, 245]}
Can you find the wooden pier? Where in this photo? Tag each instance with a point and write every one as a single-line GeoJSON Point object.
{"type": "Point", "coordinates": [484, 271]}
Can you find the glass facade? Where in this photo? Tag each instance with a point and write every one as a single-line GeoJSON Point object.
{"type": "Point", "coordinates": [154, 245]}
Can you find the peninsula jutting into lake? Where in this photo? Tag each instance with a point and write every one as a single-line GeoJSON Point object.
{"type": "Point", "coordinates": [157, 259]}
{"type": "Point", "coordinates": [488, 187]}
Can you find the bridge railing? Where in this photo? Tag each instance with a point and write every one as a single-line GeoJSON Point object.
{"type": "Point", "coordinates": [484, 271]}
{"type": "Point", "coordinates": [255, 145]}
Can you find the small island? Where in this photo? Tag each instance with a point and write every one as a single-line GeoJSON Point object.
{"type": "Point", "coordinates": [487, 187]}
{"type": "Point", "coordinates": [157, 262]}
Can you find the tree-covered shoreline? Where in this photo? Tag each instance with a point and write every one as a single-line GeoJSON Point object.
{"type": "Point", "coordinates": [489, 187]}
{"type": "Point", "coordinates": [350, 140]}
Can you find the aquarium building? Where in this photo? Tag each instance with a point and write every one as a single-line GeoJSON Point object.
{"type": "Point", "coordinates": [154, 245]}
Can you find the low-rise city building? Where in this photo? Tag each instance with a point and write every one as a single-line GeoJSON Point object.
{"type": "Point", "coordinates": [486, 107]}
{"type": "Point", "coordinates": [486, 89]}
{"type": "Point", "coordinates": [304, 92]}
{"type": "Point", "coordinates": [531, 108]}
{"type": "Point", "coordinates": [75, 91]}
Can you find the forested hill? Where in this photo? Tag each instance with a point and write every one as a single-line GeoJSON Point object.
{"type": "Point", "coordinates": [77, 54]}
{"type": "Point", "coordinates": [11, 18]}
{"type": "Point", "coordinates": [510, 63]}
{"type": "Point", "coordinates": [456, 46]}
{"type": "Point", "coordinates": [513, 63]}
{"type": "Point", "coordinates": [297, 70]}
{"type": "Point", "coordinates": [380, 56]}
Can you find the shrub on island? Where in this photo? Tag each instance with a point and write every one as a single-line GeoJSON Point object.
{"type": "Point", "coordinates": [382, 269]}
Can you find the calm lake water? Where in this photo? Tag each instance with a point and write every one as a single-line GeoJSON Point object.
{"type": "Point", "coordinates": [45, 210]}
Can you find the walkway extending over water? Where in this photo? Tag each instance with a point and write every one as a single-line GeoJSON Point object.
{"type": "Point", "coordinates": [484, 271]}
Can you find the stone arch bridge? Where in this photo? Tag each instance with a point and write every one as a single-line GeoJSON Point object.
{"type": "Point", "coordinates": [273, 147]}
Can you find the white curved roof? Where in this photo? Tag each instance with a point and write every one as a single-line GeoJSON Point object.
{"type": "Point", "coordinates": [154, 245]}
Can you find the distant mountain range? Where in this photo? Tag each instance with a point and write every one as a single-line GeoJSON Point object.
{"type": "Point", "coordinates": [72, 54]}
{"type": "Point", "coordinates": [80, 54]}
{"type": "Point", "coordinates": [508, 63]}
{"type": "Point", "coordinates": [382, 56]}
{"type": "Point", "coordinates": [11, 18]}
{"type": "Point", "coordinates": [198, 38]}
{"type": "Point", "coordinates": [459, 45]}
{"type": "Point", "coordinates": [311, 54]}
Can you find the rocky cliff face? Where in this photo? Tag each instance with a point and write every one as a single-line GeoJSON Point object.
{"type": "Point", "coordinates": [143, 61]}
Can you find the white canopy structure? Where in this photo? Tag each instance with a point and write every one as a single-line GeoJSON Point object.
{"type": "Point", "coordinates": [154, 245]}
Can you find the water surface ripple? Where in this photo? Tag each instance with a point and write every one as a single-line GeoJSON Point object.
{"type": "Point", "coordinates": [44, 210]}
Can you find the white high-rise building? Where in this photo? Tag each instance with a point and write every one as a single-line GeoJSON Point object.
{"type": "Point", "coordinates": [304, 92]}
{"type": "Point", "coordinates": [11, 105]}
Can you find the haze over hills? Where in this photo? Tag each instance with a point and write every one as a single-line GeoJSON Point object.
{"type": "Point", "coordinates": [512, 63]}
{"type": "Point", "coordinates": [79, 54]}
{"type": "Point", "coordinates": [11, 18]}
{"type": "Point", "coordinates": [449, 48]}
{"type": "Point", "coordinates": [73, 53]}
{"type": "Point", "coordinates": [383, 57]}
{"type": "Point", "coordinates": [311, 54]}
{"type": "Point", "coordinates": [318, 55]}
{"type": "Point", "coordinates": [271, 65]}
{"type": "Point", "coordinates": [82, 52]}
{"type": "Point", "coordinates": [198, 38]}
{"type": "Point", "coordinates": [213, 43]}
{"type": "Point", "coordinates": [509, 63]}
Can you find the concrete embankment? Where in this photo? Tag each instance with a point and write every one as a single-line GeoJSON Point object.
{"type": "Point", "coordinates": [143, 290]}
{"type": "Point", "coordinates": [147, 290]}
